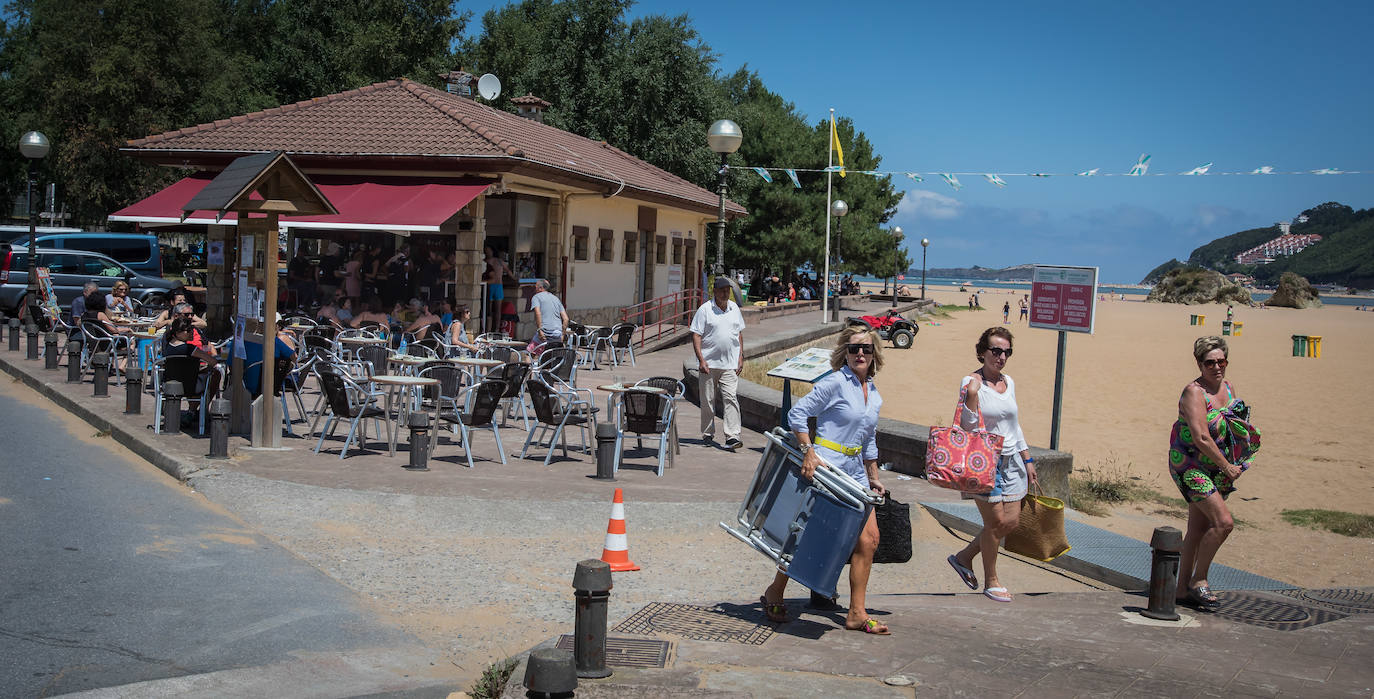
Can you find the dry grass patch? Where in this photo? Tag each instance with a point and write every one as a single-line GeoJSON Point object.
{"type": "Point", "coordinates": [1343, 523]}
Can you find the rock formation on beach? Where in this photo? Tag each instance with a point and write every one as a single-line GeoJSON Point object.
{"type": "Point", "coordinates": [1294, 292]}
{"type": "Point", "coordinates": [1190, 285]}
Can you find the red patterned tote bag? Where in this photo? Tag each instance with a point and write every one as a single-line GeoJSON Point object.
{"type": "Point", "coordinates": [962, 460]}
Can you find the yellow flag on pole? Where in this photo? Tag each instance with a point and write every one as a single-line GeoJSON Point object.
{"type": "Point", "coordinates": [835, 143]}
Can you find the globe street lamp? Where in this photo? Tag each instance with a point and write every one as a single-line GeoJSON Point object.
{"type": "Point", "coordinates": [896, 252]}
{"type": "Point", "coordinates": [837, 209]}
{"type": "Point", "coordinates": [925, 243]}
{"type": "Point", "coordinates": [724, 137]}
{"type": "Point", "coordinates": [34, 146]}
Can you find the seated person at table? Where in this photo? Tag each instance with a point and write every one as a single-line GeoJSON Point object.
{"type": "Point", "coordinates": [284, 336]}
{"type": "Point", "coordinates": [426, 324]}
{"type": "Point", "coordinates": [96, 311]}
{"type": "Point", "coordinates": [177, 343]}
{"type": "Point", "coordinates": [178, 298]}
{"type": "Point", "coordinates": [79, 303]}
{"type": "Point", "coordinates": [117, 301]}
{"type": "Point", "coordinates": [329, 312]}
{"type": "Point", "coordinates": [371, 313]}
{"type": "Point", "coordinates": [457, 332]}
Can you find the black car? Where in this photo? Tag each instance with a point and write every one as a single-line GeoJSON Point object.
{"type": "Point", "coordinates": [70, 270]}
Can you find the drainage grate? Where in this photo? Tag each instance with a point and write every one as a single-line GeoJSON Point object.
{"type": "Point", "coordinates": [629, 652]}
{"type": "Point", "coordinates": [698, 623]}
{"type": "Point", "coordinates": [1346, 600]}
{"type": "Point", "coordinates": [1272, 613]}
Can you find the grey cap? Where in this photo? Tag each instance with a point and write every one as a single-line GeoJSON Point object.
{"type": "Point", "coordinates": [721, 283]}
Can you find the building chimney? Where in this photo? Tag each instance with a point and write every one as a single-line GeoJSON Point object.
{"type": "Point", "coordinates": [458, 82]}
{"type": "Point", "coordinates": [531, 107]}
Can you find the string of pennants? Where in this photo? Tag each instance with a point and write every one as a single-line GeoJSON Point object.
{"type": "Point", "coordinates": [1140, 169]}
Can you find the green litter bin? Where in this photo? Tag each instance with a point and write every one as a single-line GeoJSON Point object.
{"type": "Point", "coordinates": [1192, 319]}
{"type": "Point", "coordinates": [1299, 345]}
{"type": "Point", "coordinates": [1225, 327]}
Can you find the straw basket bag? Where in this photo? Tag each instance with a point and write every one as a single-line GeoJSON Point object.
{"type": "Point", "coordinates": [1040, 533]}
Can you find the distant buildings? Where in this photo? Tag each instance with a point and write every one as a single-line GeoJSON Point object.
{"type": "Point", "coordinates": [1282, 246]}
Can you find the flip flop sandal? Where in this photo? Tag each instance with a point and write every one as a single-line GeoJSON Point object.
{"type": "Point", "coordinates": [1202, 599]}
{"type": "Point", "coordinates": [775, 611]}
{"type": "Point", "coordinates": [965, 573]}
{"type": "Point", "coordinates": [997, 594]}
{"type": "Point", "coordinates": [871, 626]}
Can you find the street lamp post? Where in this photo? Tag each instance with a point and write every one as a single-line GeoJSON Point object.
{"type": "Point", "coordinates": [837, 209]}
{"type": "Point", "coordinates": [896, 252]}
{"type": "Point", "coordinates": [724, 137]}
{"type": "Point", "coordinates": [925, 243]}
{"type": "Point", "coordinates": [34, 146]}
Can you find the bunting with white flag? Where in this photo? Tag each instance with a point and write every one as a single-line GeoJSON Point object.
{"type": "Point", "coordinates": [1141, 166]}
{"type": "Point", "coordinates": [952, 181]}
{"type": "Point", "coordinates": [994, 179]}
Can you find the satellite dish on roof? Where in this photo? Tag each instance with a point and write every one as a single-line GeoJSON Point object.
{"type": "Point", "coordinates": [489, 86]}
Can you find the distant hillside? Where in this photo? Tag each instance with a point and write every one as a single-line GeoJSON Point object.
{"type": "Point", "coordinates": [1345, 255]}
{"type": "Point", "coordinates": [1158, 273]}
{"type": "Point", "coordinates": [1018, 273]}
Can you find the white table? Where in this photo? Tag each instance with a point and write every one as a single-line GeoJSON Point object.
{"type": "Point", "coordinates": [411, 385]}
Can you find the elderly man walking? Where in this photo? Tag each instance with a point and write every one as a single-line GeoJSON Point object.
{"type": "Point", "coordinates": [549, 314]}
{"type": "Point", "coordinates": [718, 340]}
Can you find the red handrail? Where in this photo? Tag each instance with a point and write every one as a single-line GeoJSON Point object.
{"type": "Point", "coordinates": [670, 309]}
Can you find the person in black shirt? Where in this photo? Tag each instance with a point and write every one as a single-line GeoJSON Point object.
{"type": "Point", "coordinates": [300, 278]}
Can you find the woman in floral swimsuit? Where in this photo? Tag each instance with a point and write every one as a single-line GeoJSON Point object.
{"type": "Point", "coordinates": [1211, 444]}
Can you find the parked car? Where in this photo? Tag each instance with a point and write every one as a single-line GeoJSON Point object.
{"type": "Point", "coordinates": [137, 251]}
{"type": "Point", "coordinates": [70, 270]}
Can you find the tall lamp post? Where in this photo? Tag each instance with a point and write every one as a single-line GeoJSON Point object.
{"type": "Point", "coordinates": [837, 209]}
{"type": "Point", "coordinates": [34, 146]}
{"type": "Point", "coordinates": [724, 137]}
{"type": "Point", "coordinates": [925, 243]}
{"type": "Point", "coordinates": [896, 252]}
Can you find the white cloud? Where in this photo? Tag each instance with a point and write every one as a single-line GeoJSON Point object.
{"type": "Point", "coordinates": [925, 204]}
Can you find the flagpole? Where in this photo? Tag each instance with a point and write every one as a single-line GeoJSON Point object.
{"type": "Point", "coordinates": [829, 176]}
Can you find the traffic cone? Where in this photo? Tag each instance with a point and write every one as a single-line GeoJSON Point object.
{"type": "Point", "coordinates": [616, 552]}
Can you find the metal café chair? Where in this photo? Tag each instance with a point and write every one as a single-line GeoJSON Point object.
{"type": "Point", "coordinates": [621, 344]}
{"type": "Point", "coordinates": [561, 361]}
{"type": "Point", "coordinates": [513, 375]}
{"type": "Point", "coordinates": [348, 400]}
{"type": "Point", "coordinates": [644, 413]}
{"type": "Point", "coordinates": [185, 370]}
{"type": "Point", "coordinates": [676, 391]}
{"type": "Point", "coordinates": [479, 412]}
{"type": "Point", "coordinates": [555, 410]}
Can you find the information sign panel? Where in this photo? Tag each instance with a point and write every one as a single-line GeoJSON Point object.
{"type": "Point", "coordinates": [1063, 298]}
{"type": "Point", "coordinates": [809, 366]}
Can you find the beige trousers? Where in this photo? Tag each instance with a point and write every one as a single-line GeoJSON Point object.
{"type": "Point", "coordinates": [728, 381]}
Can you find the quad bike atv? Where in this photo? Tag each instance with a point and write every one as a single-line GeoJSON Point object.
{"type": "Point", "coordinates": [891, 326]}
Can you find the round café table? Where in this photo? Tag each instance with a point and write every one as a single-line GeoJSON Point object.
{"type": "Point", "coordinates": [411, 385]}
{"type": "Point", "coordinates": [473, 364]}
{"type": "Point", "coordinates": [353, 344]}
{"type": "Point", "coordinates": [409, 364]}
{"type": "Point", "coordinates": [146, 348]}
{"type": "Point", "coordinates": [616, 390]}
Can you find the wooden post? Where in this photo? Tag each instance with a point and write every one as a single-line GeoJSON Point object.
{"type": "Point", "coordinates": [269, 428]}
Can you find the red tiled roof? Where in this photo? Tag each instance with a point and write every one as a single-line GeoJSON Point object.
{"type": "Point", "coordinates": [531, 100]}
{"type": "Point", "coordinates": [406, 118]}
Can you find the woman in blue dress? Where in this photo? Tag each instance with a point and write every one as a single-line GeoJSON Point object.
{"type": "Point", "coordinates": [845, 404]}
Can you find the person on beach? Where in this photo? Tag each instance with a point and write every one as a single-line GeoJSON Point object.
{"type": "Point", "coordinates": [1025, 307]}
{"type": "Point", "coordinates": [718, 341]}
{"type": "Point", "coordinates": [1006, 312]}
{"type": "Point", "coordinates": [993, 394]}
{"type": "Point", "coordinates": [845, 404]}
{"type": "Point", "coordinates": [1210, 445]}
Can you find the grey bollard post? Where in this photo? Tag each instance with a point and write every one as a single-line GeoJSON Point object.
{"type": "Point", "coordinates": [133, 391]}
{"type": "Point", "coordinates": [32, 332]}
{"type": "Point", "coordinates": [219, 428]}
{"type": "Point", "coordinates": [50, 350]}
{"type": "Point", "coordinates": [592, 583]}
{"type": "Point", "coordinates": [1166, 543]}
{"type": "Point", "coordinates": [74, 360]}
{"type": "Point", "coordinates": [172, 392]}
{"type": "Point", "coordinates": [100, 365]}
{"type": "Point", "coordinates": [14, 334]}
{"type": "Point", "coordinates": [605, 451]}
{"type": "Point", "coordinates": [419, 442]}
{"type": "Point", "coordinates": [549, 672]}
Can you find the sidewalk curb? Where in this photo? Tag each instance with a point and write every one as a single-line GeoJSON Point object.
{"type": "Point", "coordinates": [132, 440]}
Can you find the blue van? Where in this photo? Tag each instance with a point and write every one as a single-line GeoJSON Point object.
{"type": "Point", "coordinates": [138, 252]}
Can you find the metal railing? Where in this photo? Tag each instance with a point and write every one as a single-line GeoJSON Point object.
{"type": "Point", "coordinates": [664, 313]}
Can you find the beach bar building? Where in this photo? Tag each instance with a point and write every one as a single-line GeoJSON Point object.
{"type": "Point", "coordinates": [401, 160]}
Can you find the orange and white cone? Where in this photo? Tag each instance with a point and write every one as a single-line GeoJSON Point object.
{"type": "Point", "coordinates": [617, 550]}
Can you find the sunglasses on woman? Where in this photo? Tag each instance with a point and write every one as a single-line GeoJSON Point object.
{"type": "Point", "coordinates": [855, 349]}
{"type": "Point", "coordinates": [1214, 363]}
{"type": "Point", "coordinates": [999, 352]}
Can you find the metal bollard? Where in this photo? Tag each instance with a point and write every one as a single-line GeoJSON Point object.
{"type": "Point", "coordinates": [419, 442]}
{"type": "Point", "coordinates": [133, 391]}
{"type": "Point", "coordinates": [32, 332]}
{"type": "Point", "coordinates": [549, 672]}
{"type": "Point", "coordinates": [592, 582]}
{"type": "Point", "coordinates": [219, 428]}
{"type": "Point", "coordinates": [50, 350]}
{"type": "Point", "coordinates": [100, 364]}
{"type": "Point", "coordinates": [14, 334]}
{"type": "Point", "coordinates": [172, 392]}
{"type": "Point", "coordinates": [1166, 543]}
{"type": "Point", "coordinates": [605, 451]}
{"type": "Point", "coordinates": [73, 361]}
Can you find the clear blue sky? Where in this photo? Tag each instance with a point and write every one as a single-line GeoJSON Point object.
{"type": "Point", "coordinates": [1065, 87]}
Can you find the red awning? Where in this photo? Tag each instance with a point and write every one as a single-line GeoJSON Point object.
{"type": "Point", "coordinates": [364, 203]}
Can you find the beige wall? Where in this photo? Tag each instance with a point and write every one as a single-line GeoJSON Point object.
{"type": "Point", "coordinates": [601, 285]}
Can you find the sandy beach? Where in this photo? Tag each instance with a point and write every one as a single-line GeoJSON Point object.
{"type": "Point", "coordinates": [1121, 391]}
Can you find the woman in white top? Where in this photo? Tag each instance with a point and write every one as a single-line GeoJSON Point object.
{"type": "Point", "coordinates": [994, 394]}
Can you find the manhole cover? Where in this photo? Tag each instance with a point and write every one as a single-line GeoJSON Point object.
{"type": "Point", "coordinates": [1347, 600]}
{"type": "Point", "coordinates": [1272, 613]}
{"type": "Point", "coordinates": [629, 652]}
{"type": "Point", "coordinates": [698, 623]}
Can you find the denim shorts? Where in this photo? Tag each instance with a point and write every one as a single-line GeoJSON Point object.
{"type": "Point", "coordinates": [1012, 481]}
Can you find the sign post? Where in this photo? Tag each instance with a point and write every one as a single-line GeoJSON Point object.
{"type": "Point", "coordinates": [1063, 299]}
{"type": "Point", "coordinates": [809, 366]}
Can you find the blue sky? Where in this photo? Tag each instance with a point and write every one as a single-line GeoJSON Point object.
{"type": "Point", "coordinates": [1065, 87]}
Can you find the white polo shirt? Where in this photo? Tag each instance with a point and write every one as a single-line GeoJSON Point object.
{"type": "Point", "coordinates": [720, 334]}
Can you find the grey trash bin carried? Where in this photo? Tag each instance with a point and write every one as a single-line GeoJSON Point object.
{"type": "Point", "coordinates": [807, 527]}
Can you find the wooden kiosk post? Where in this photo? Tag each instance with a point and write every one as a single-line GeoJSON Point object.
{"type": "Point", "coordinates": [267, 184]}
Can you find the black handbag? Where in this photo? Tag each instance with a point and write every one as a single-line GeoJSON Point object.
{"type": "Point", "coordinates": [894, 532]}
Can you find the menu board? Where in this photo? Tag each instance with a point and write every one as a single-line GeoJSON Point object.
{"type": "Point", "coordinates": [1063, 298]}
